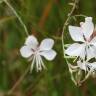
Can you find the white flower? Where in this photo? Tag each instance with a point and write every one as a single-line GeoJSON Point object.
{"type": "Point", "coordinates": [82, 65]}
{"type": "Point", "coordinates": [33, 50]}
{"type": "Point", "coordinates": [92, 68]}
{"type": "Point", "coordinates": [86, 46]}
{"type": "Point", "coordinates": [77, 74]}
{"type": "Point", "coordinates": [87, 67]}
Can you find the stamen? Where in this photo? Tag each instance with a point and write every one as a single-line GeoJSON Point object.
{"type": "Point", "coordinates": [32, 65]}
{"type": "Point", "coordinates": [37, 67]}
{"type": "Point", "coordinates": [39, 63]}
{"type": "Point", "coordinates": [42, 62]}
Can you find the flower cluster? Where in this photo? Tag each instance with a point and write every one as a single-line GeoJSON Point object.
{"type": "Point", "coordinates": [35, 52]}
{"type": "Point", "coordinates": [84, 50]}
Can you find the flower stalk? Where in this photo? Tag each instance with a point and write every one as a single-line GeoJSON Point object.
{"type": "Point", "coordinates": [17, 15]}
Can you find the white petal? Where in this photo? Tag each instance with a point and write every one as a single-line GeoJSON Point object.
{"type": "Point", "coordinates": [92, 65]}
{"type": "Point", "coordinates": [90, 52]}
{"type": "Point", "coordinates": [26, 51]}
{"type": "Point", "coordinates": [49, 55]}
{"type": "Point", "coordinates": [81, 65]}
{"type": "Point", "coordinates": [75, 50]}
{"type": "Point", "coordinates": [87, 27]}
{"type": "Point", "coordinates": [76, 33]}
{"type": "Point", "coordinates": [93, 41]}
{"type": "Point", "coordinates": [81, 23]}
{"type": "Point", "coordinates": [46, 44]}
{"type": "Point", "coordinates": [31, 41]}
{"type": "Point", "coordinates": [88, 19]}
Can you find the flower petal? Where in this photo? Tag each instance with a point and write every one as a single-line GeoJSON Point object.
{"type": "Point", "coordinates": [93, 41]}
{"type": "Point", "coordinates": [49, 55]}
{"type": "Point", "coordinates": [81, 65]}
{"type": "Point", "coordinates": [92, 66]}
{"type": "Point", "coordinates": [76, 50]}
{"type": "Point", "coordinates": [81, 23]}
{"type": "Point", "coordinates": [76, 33]}
{"type": "Point", "coordinates": [87, 27]}
{"type": "Point", "coordinates": [90, 52]}
{"type": "Point", "coordinates": [26, 51]}
{"type": "Point", "coordinates": [46, 44]}
{"type": "Point", "coordinates": [31, 41]}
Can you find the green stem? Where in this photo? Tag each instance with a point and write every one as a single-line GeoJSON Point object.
{"type": "Point", "coordinates": [80, 15]}
{"type": "Point", "coordinates": [64, 27]}
{"type": "Point", "coordinates": [18, 81]}
{"type": "Point", "coordinates": [16, 14]}
{"type": "Point", "coordinates": [67, 22]}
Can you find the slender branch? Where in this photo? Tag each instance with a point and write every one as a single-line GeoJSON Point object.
{"type": "Point", "coordinates": [86, 77]}
{"type": "Point", "coordinates": [19, 81]}
{"type": "Point", "coordinates": [16, 14]}
{"type": "Point", "coordinates": [66, 23]}
{"type": "Point", "coordinates": [64, 27]}
{"type": "Point", "coordinates": [80, 15]}
{"type": "Point", "coordinates": [33, 85]}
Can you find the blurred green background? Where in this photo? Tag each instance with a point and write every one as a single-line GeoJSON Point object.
{"type": "Point", "coordinates": [43, 18]}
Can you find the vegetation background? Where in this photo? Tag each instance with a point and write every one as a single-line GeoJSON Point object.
{"type": "Point", "coordinates": [43, 18]}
